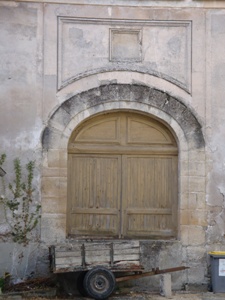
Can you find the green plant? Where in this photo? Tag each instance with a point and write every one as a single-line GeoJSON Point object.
{"type": "Point", "coordinates": [2, 159]}
{"type": "Point", "coordinates": [24, 214]}
{"type": "Point", "coordinates": [4, 281]}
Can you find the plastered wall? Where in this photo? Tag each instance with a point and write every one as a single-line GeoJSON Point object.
{"type": "Point", "coordinates": [63, 62]}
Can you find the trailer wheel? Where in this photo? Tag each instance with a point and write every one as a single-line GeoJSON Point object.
{"type": "Point", "coordinates": [80, 284]}
{"type": "Point", "coordinates": [99, 283]}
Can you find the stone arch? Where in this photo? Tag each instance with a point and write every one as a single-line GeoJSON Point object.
{"type": "Point", "coordinates": [170, 110]}
{"type": "Point", "coordinates": [171, 106]}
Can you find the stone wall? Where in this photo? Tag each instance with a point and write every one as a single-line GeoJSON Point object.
{"type": "Point", "coordinates": [64, 62]}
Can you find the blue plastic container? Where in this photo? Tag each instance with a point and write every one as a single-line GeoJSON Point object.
{"type": "Point", "coordinates": [217, 261]}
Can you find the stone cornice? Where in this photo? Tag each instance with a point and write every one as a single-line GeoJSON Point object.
{"type": "Point", "coordinates": [206, 4]}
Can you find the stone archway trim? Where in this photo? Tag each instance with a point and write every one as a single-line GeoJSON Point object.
{"type": "Point", "coordinates": [151, 97]}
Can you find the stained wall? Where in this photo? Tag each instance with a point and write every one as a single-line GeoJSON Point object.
{"type": "Point", "coordinates": [63, 62]}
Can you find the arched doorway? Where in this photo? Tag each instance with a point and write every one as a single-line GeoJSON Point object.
{"type": "Point", "coordinates": [122, 178]}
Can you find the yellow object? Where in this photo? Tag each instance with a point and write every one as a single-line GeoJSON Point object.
{"type": "Point", "coordinates": [217, 252]}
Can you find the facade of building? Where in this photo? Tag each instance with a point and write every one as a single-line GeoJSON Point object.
{"type": "Point", "coordinates": [121, 104]}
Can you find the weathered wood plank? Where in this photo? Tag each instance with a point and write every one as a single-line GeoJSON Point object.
{"type": "Point", "coordinates": [127, 251]}
{"type": "Point", "coordinates": [126, 244]}
{"type": "Point", "coordinates": [126, 257]}
{"type": "Point", "coordinates": [89, 259]}
{"type": "Point", "coordinates": [67, 254]}
{"type": "Point", "coordinates": [91, 247]}
{"type": "Point", "coordinates": [62, 248]}
{"type": "Point", "coordinates": [68, 260]}
{"type": "Point", "coordinates": [151, 211]}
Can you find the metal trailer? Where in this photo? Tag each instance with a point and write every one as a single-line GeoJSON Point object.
{"type": "Point", "coordinates": [101, 264]}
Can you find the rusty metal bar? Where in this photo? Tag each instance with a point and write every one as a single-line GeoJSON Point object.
{"type": "Point", "coordinates": [151, 273]}
{"type": "Point", "coordinates": [83, 255]}
{"type": "Point", "coordinates": [111, 254]}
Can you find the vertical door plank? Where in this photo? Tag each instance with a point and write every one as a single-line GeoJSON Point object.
{"type": "Point", "coordinates": [95, 194]}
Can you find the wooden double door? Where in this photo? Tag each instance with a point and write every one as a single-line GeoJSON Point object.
{"type": "Point", "coordinates": [122, 178]}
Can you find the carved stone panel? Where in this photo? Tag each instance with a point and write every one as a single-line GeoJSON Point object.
{"type": "Point", "coordinates": [91, 46]}
{"type": "Point", "coordinates": [125, 45]}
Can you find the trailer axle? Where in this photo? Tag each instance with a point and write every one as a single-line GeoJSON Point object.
{"type": "Point", "coordinates": [151, 273]}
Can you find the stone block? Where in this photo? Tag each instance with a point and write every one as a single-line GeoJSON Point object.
{"type": "Point", "coordinates": [75, 104]}
{"type": "Point", "coordinates": [184, 201]}
{"type": "Point", "coordinates": [123, 92]}
{"type": "Point", "coordinates": [60, 118]}
{"type": "Point", "coordinates": [196, 253]}
{"type": "Point", "coordinates": [51, 186]}
{"type": "Point", "coordinates": [197, 155]}
{"type": "Point", "coordinates": [51, 138]}
{"type": "Point", "coordinates": [185, 217]}
{"type": "Point", "coordinates": [125, 45]}
{"type": "Point", "coordinates": [192, 235]}
{"type": "Point", "coordinates": [63, 172]}
{"type": "Point", "coordinates": [63, 187]}
{"type": "Point", "coordinates": [198, 217]}
{"type": "Point", "coordinates": [57, 158]}
{"type": "Point", "coordinates": [63, 157]}
{"type": "Point", "coordinates": [54, 205]}
{"type": "Point", "coordinates": [53, 158]}
{"type": "Point", "coordinates": [170, 255]}
{"type": "Point", "coordinates": [92, 97]}
{"type": "Point", "coordinates": [184, 234]}
{"type": "Point", "coordinates": [184, 167]}
{"type": "Point", "coordinates": [196, 235]}
{"type": "Point", "coordinates": [157, 98]}
{"type": "Point", "coordinates": [197, 168]}
{"type": "Point", "coordinates": [197, 184]}
{"type": "Point", "coordinates": [184, 154]}
{"type": "Point", "coordinates": [184, 183]}
{"type": "Point", "coordinates": [50, 172]}
{"type": "Point", "coordinates": [165, 285]}
{"type": "Point", "coordinates": [197, 273]}
{"type": "Point", "coordinates": [63, 143]}
{"type": "Point", "coordinates": [197, 200]}
{"type": "Point", "coordinates": [53, 228]}
{"type": "Point", "coordinates": [139, 93]}
{"type": "Point", "coordinates": [174, 107]}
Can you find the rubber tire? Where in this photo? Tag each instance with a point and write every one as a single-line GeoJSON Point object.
{"type": "Point", "coordinates": [99, 283]}
{"type": "Point", "coordinates": [80, 284]}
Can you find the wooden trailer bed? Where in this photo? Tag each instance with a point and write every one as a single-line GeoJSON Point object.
{"type": "Point", "coordinates": [77, 256]}
{"type": "Point", "coordinates": [97, 262]}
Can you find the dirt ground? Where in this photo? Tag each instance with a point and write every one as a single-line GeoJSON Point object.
{"type": "Point", "coordinates": [150, 296]}
{"type": "Point", "coordinates": [130, 296]}
{"type": "Point", "coordinates": [46, 289]}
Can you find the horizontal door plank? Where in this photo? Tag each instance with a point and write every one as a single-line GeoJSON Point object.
{"type": "Point", "coordinates": [151, 211]}
{"type": "Point", "coordinates": [98, 211]}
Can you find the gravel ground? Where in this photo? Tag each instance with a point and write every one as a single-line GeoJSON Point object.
{"type": "Point", "coordinates": [150, 296]}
